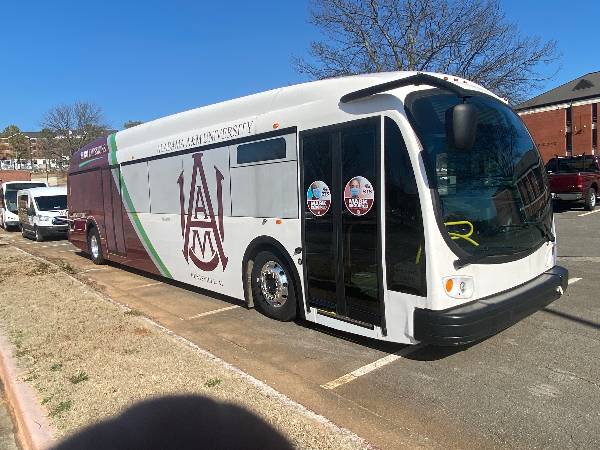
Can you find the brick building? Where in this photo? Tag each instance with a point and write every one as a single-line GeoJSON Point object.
{"type": "Point", "coordinates": [564, 120]}
{"type": "Point", "coordinates": [33, 137]}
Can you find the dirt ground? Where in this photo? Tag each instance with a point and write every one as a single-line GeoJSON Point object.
{"type": "Point", "coordinates": [89, 358]}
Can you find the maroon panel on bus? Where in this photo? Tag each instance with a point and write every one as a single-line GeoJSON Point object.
{"type": "Point", "coordinates": [109, 224]}
{"type": "Point", "coordinates": [118, 212]}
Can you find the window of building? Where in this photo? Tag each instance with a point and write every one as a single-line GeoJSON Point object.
{"type": "Point", "coordinates": [569, 116]}
{"type": "Point", "coordinates": [261, 151]}
{"type": "Point", "coordinates": [594, 112]}
{"type": "Point", "coordinates": [595, 139]}
{"type": "Point", "coordinates": [569, 142]}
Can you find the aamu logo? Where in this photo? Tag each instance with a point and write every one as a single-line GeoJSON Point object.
{"type": "Point", "coordinates": [202, 230]}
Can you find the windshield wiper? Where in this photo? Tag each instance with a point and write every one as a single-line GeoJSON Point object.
{"type": "Point", "coordinates": [468, 260]}
{"type": "Point", "coordinates": [540, 225]}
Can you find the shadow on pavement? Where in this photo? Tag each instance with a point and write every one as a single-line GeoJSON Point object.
{"type": "Point", "coordinates": [561, 207]}
{"type": "Point", "coordinates": [179, 422]}
{"type": "Point", "coordinates": [584, 322]}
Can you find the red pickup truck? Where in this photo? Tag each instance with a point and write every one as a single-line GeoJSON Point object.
{"type": "Point", "coordinates": [575, 178]}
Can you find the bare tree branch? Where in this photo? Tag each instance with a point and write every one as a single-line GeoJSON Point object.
{"type": "Point", "coordinates": [69, 127]}
{"type": "Point", "coordinates": [467, 38]}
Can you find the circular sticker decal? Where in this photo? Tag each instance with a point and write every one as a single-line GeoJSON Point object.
{"type": "Point", "coordinates": [359, 196]}
{"type": "Point", "coordinates": [318, 198]}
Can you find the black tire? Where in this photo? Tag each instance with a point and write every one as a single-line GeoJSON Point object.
{"type": "Point", "coordinates": [39, 236]}
{"type": "Point", "coordinates": [95, 252]}
{"type": "Point", "coordinates": [590, 199]}
{"type": "Point", "coordinates": [23, 232]}
{"type": "Point", "coordinates": [279, 285]}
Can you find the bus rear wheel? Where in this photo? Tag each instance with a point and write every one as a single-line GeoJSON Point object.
{"type": "Point", "coordinates": [273, 287]}
{"type": "Point", "coordinates": [94, 247]}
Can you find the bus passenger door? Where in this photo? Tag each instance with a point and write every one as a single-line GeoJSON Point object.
{"type": "Point", "coordinates": [341, 198]}
{"type": "Point", "coordinates": [113, 211]}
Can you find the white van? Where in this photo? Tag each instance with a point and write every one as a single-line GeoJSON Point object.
{"type": "Point", "coordinates": [43, 212]}
{"type": "Point", "coordinates": [8, 201]}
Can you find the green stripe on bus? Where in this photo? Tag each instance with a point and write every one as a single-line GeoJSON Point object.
{"type": "Point", "coordinates": [85, 163]}
{"type": "Point", "coordinates": [112, 143]}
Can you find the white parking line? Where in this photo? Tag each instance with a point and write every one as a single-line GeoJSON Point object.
{"type": "Point", "coordinates": [210, 313]}
{"type": "Point", "coordinates": [588, 213]}
{"type": "Point", "coordinates": [371, 367]}
{"type": "Point", "coordinates": [574, 280]}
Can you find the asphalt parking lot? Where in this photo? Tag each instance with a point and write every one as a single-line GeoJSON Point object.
{"type": "Point", "coordinates": [536, 384]}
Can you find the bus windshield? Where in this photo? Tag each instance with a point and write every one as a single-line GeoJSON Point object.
{"type": "Point", "coordinates": [493, 199]}
{"type": "Point", "coordinates": [51, 202]}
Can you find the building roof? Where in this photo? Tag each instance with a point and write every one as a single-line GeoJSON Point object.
{"type": "Point", "coordinates": [584, 87]}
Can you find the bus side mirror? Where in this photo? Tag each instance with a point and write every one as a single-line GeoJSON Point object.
{"type": "Point", "coordinates": [461, 126]}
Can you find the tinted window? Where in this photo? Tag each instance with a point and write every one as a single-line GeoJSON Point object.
{"type": "Point", "coordinates": [51, 202]}
{"type": "Point", "coordinates": [573, 165]}
{"type": "Point", "coordinates": [405, 242]}
{"type": "Point", "coordinates": [359, 232]}
{"type": "Point", "coordinates": [261, 151]}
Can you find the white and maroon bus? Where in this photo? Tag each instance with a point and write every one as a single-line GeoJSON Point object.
{"type": "Point", "coordinates": [406, 207]}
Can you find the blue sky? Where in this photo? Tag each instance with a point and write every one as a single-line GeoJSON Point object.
{"type": "Point", "coordinates": [143, 62]}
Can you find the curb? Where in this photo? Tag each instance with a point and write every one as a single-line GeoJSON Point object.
{"type": "Point", "coordinates": [33, 430]}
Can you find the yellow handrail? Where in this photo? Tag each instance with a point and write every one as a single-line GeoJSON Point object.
{"type": "Point", "coordinates": [466, 236]}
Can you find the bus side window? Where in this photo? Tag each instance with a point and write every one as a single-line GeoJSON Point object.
{"type": "Point", "coordinates": [404, 238]}
{"type": "Point", "coordinates": [264, 178]}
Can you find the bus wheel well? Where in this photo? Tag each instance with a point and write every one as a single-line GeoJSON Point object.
{"type": "Point", "coordinates": [266, 243]}
{"type": "Point", "coordinates": [595, 187]}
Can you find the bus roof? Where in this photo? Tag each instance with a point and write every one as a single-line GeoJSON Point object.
{"type": "Point", "coordinates": [303, 105]}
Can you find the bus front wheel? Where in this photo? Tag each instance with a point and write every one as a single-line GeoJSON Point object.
{"type": "Point", "coordinates": [273, 287]}
{"type": "Point", "coordinates": [94, 247]}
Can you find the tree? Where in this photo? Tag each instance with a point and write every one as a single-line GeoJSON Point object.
{"type": "Point", "coordinates": [467, 38]}
{"type": "Point", "coordinates": [19, 143]}
{"type": "Point", "coordinates": [132, 123]}
{"type": "Point", "coordinates": [70, 127]}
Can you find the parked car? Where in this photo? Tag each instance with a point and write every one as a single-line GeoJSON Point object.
{"type": "Point", "coordinates": [43, 212]}
{"type": "Point", "coordinates": [8, 196]}
{"type": "Point", "coordinates": [575, 179]}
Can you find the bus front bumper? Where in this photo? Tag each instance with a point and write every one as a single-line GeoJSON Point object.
{"type": "Point", "coordinates": [485, 317]}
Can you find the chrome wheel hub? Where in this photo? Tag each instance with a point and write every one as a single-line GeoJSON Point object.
{"type": "Point", "coordinates": [94, 248]}
{"type": "Point", "coordinates": [273, 284]}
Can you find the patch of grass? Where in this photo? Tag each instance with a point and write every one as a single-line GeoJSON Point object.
{"type": "Point", "coordinates": [32, 376]}
{"type": "Point", "coordinates": [63, 406]}
{"type": "Point", "coordinates": [213, 382]}
{"type": "Point", "coordinates": [56, 367]}
{"type": "Point", "coordinates": [40, 268]}
{"type": "Point", "coordinates": [131, 351]}
{"type": "Point", "coordinates": [66, 267]}
{"type": "Point", "coordinates": [80, 377]}
{"type": "Point", "coordinates": [133, 312]}
{"type": "Point", "coordinates": [47, 399]}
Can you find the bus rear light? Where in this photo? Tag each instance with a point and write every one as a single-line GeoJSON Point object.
{"type": "Point", "coordinates": [459, 287]}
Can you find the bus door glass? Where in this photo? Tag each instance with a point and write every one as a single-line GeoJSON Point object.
{"type": "Point", "coordinates": [342, 250]}
{"type": "Point", "coordinates": [113, 211]}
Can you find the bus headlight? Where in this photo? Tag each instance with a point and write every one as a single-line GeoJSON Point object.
{"type": "Point", "coordinates": [45, 219]}
{"type": "Point", "coordinates": [459, 287]}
